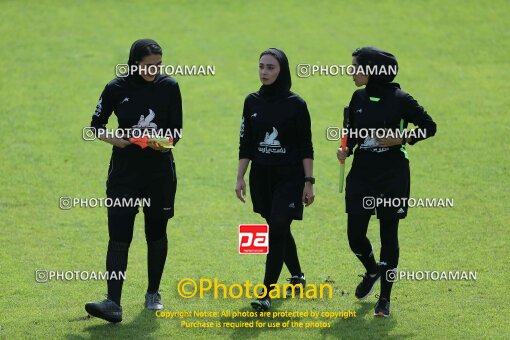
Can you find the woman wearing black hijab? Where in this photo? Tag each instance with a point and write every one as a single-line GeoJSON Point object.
{"type": "Point", "coordinates": [150, 102]}
{"type": "Point", "coordinates": [276, 137]}
{"type": "Point", "coordinates": [380, 168]}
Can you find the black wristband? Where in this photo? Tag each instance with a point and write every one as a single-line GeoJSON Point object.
{"type": "Point", "coordinates": [310, 179]}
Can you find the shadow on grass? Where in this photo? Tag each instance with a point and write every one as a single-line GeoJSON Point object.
{"type": "Point", "coordinates": [360, 327]}
{"type": "Point", "coordinates": [247, 333]}
{"type": "Point", "coordinates": [142, 326]}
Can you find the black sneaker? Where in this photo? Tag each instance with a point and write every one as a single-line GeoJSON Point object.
{"type": "Point", "coordinates": [382, 308]}
{"type": "Point", "coordinates": [153, 301]}
{"type": "Point", "coordinates": [299, 283]}
{"type": "Point", "coordinates": [365, 287]}
{"type": "Point", "coordinates": [106, 310]}
{"type": "Point", "coordinates": [262, 304]}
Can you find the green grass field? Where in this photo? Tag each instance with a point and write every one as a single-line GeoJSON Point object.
{"type": "Point", "coordinates": [56, 59]}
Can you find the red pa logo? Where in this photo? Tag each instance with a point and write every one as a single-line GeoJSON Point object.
{"type": "Point", "coordinates": [253, 239]}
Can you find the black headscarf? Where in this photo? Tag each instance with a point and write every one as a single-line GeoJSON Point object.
{"type": "Point", "coordinates": [372, 56]}
{"type": "Point", "coordinates": [281, 86]}
{"type": "Point", "coordinates": [137, 52]}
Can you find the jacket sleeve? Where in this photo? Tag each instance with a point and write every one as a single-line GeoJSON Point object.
{"type": "Point", "coordinates": [175, 112]}
{"type": "Point", "coordinates": [304, 132]}
{"type": "Point", "coordinates": [351, 142]}
{"type": "Point", "coordinates": [416, 114]}
{"type": "Point", "coordinates": [246, 134]}
{"type": "Point", "coordinates": [104, 108]}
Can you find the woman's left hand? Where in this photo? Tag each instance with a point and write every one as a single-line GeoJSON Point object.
{"type": "Point", "coordinates": [388, 141]}
{"type": "Point", "coordinates": [155, 146]}
{"type": "Point", "coordinates": [308, 194]}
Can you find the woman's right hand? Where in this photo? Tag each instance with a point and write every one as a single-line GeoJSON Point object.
{"type": "Point", "coordinates": [120, 143]}
{"type": "Point", "coordinates": [241, 190]}
{"type": "Point", "coordinates": [342, 155]}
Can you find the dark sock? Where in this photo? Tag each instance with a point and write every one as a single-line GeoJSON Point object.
{"type": "Point", "coordinates": [369, 262]}
{"type": "Point", "coordinates": [157, 249]}
{"type": "Point", "coordinates": [389, 254]}
{"type": "Point", "coordinates": [385, 284]}
{"type": "Point", "coordinates": [279, 227]}
{"type": "Point", "coordinates": [357, 226]}
{"type": "Point", "coordinates": [156, 258]}
{"type": "Point", "coordinates": [291, 257]}
{"type": "Point", "coordinates": [116, 261]}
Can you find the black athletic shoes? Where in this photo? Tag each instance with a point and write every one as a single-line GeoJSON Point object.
{"type": "Point", "coordinates": [299, 283]}
{"type": "Point", "coordinates": [262, 304]}
{"type": "Point", "coordinates": [382, 308]}
{"type": "Point", "coordinates": [153, 301]}
{"type": "Point", "coordinates": [106, 310]}
{"type": "Point", "coordinates": [366, 285]}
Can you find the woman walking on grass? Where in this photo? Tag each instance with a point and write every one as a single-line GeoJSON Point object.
{"type": "Point", "coordinates": [380, 169]}
{"type": "Point", "coordinates": [276, 137]}
{"type": "Point", "coordinates": [148, 103]}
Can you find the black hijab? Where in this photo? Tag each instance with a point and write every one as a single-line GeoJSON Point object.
{"type": "Point", "coordinates": [137, 52]}
{"type": "Point", "coordinates": [280, 88]}
{"type": "Point", "coordinates": [372, 56]}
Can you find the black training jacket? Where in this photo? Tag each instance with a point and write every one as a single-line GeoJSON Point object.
{"type": "Point", "coordinates": [391, 109]}
{"type": "Point", "coordinates": [148, 106]}
{"type": "Point", "coordinates": [275, 132]}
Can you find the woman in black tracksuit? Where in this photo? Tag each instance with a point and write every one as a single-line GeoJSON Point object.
{"type": "Point", "coordinates": [276, 137]}
{"type": "Point", "coordinates": [380, 168]}
{"type": "Point", "coordinates": [151, 103]}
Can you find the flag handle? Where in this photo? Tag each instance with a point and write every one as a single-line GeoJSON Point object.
{"type": "Point", "coordinates": [342, 165]}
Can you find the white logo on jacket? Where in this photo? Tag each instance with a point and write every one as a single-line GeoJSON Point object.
{"type": "Point", "coordinates": [99, 107]}
{"type": "Point", "coordinates": [270, 144]}
{"type": "Point", "coordinates": [370, 144]}
{"type": "Point", "coordinates": [146, 122]}
{"type": "Point", "coordinates": [242, 127]}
